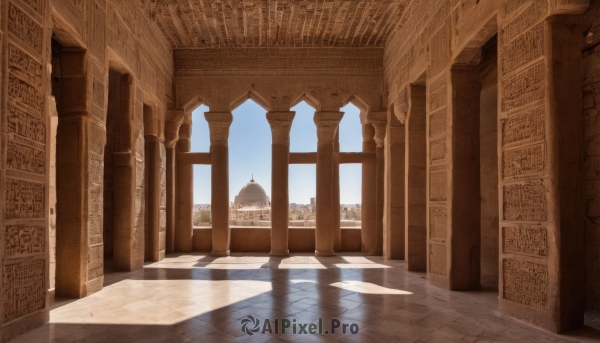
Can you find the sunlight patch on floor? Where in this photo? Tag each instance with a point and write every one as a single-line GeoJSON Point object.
{"type": "Point", "coordinates": [157, 302]}
{"type": "Point", "coordinates": [367, 288]}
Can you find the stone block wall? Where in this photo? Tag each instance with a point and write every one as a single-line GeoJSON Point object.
{"type": "Point", "coordinates": [540, 233]}
{"type": "Point", "coordinates": [110, 32]}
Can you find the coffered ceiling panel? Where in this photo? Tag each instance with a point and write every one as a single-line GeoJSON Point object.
{"type": "Point", "coordinates": [283, 23]}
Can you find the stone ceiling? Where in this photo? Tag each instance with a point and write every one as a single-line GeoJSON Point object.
{"type": "Point", "coordinates": [270, 23]}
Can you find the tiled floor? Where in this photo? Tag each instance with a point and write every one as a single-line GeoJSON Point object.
{"type": "Point", "coordinates": [198, 298]}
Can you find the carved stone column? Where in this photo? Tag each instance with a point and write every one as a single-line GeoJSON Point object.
{"type": "Point", "coordinates": [368, 206]}
{"type": "Point", "coordinates": [393, 212]}
{"type": "Point", "coordinates": [416, 181]}
{"type": "Point", "coordinates": [379, 122]}
{"type": "Point", "coordinates": [327, 125]}
{"type": "Point", "coordinates": [152, 192]}
{"type": "Point", "coordinates": [173, 121]}
{"type": "Point", "coordinates": [541, 173]}
{"type": "Point", "coordinates": [335, 191]}
{"type": "Point", "coordinates": [80, 144]}
{"type": "Point", "coordinates": [281, 123]}
{"type": "Point", "coordinates": [219, 123]}
{"type": "Point", "coordinates": [185, 194]}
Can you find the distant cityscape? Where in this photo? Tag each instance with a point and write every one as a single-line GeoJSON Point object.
{"type": "Point", "coordinates": [258, 214]}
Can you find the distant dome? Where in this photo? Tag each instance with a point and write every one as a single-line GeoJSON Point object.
{"type": "Point", "coordinates": [252, 193]}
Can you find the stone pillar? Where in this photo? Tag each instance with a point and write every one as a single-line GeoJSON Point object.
{"type": "Point", "coordinates": [219, 123]}
{"type": "Point", "coordinates": [171, 201]}
{"type": "Point", "coordinates": [185, 194]}
{"type": "Point", "coordinates": [541, 193]}
{"type": "Point", "coordinates": [128, 219]}
{"type": "Point", "coordinates": [173, 122]}
{"type": "Point", "coordinates": [335, 189]}
{"type": "Point", "coordinates": [281, 123]}
{"type": "Point", "coordinates": [416, 181]}
{"type": "Point", "coordinates": [75, 143]}
{"type": "Point", "coordinates": [327, 125]}
{"type": "Point", "coordinates": [393, 212]}
{"type": "Point", "coordinates": [379, 122]}
{"type": "Point", "coordinates": [369, 205]}
{"type": "Point", "coordinates": [152, 191]}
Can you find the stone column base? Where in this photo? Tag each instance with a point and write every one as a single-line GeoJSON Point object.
{"type": "Point", "coordinates": [220, 253]}
{"type": "Point", "coordinates": [324, 253]}
{"type": "Point", "coordinates": [280, 253]}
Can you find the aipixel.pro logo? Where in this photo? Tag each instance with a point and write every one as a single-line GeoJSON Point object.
{"type": "Point", "coordinates": [252, 325]}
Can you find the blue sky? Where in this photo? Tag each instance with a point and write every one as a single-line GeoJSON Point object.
{"type": "Point", "coordinates": [250, 152]}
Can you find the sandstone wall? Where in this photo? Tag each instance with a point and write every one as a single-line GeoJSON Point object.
{"type": "Point", "coordinates": [591, 108]}
{"type": "Point", "coordinates": [112, 32]}
{"type": "Point", "coordinates": [540, 236]}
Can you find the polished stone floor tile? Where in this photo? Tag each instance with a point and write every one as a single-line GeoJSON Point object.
{"type": "Point", "coordinates": [199, 298]}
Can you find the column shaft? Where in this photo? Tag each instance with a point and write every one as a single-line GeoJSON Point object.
{"type": "Point", "coordinates": [281, 123]}
{"type": "Point", "coordinates": [368, 206]}
{"type": "Point", "coordinates": [185, 195]}
{"type": "Point", "coordinates": [171, 201]}
{"type": "Point", "coordinates": [394, 229]}
{"type": "Point", "coordinates": [152, 192]}
{"type": "Point", "coordinates": [415, 181]}
{"type": "Point", "coordinates": [219, 123]}
{"type": "Point", "coordinates": [327, 124]}
{"type": "Point", "coordinates": [379, 121]}
{"type": "Point", "coordinates": [335, 190]}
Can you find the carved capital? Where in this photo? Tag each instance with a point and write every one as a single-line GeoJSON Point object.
{"type": "Point", "coordinates": [281, 123]}
{"type": "Point", "coordinates": [218, 124]}
{"type": "Point", "coordinates": [173, 120]}
{"type": "Point", "coordinates": [379, 121]}
{"type": "Point", "coordinates": [368, 133]}
{"type": "Point", "coordinates": [327, 125]}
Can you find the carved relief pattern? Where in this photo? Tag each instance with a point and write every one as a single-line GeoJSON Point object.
{"type": "Point", "coordinates": [526, 48]}
{"type": "Point", "coordinates": [24, 199]}
{"type": "Point", "coordinates": [524, 87]}
{"type": "Point", "coordinates": [523, 162]}
{"type": "Point", "coordinates": [24, 66]}
{"type": "Point", "coordinates": [438, 184]}
{"type": "Point", "coordinates": [439, 51]}
{"type": "Point", "coordinates": [526, 283]}
{"type": "Point", "coordinates": [23, 288]}
{"type": "Point", "coordinates": [97, 47]}
{"type": "Point", "coordinates": [528, 240]}
{"type": "Point", "coordinates": [97, 140]}
{"type": "Point", "coordinates": [36, 5]}
{"type": "Point", "coordinates": [437, 91]}
{"type": "Point", "coordinates": [26, 125]}
{"type": "Point", "coordinates": [95, 262]}
{"type": "Point", "coordinates": [437, 122]}
{"type": "Point", "coordinates": [438, 222]}
{"type": "Point", "coordinates": [438, 151]}
{"type": "Point", "coordinates": [27, 94]}
{"type": "Point", "coordinates": [25, 28]}
{"type": "Point", "coordinates": [24, 240]}
{"type": "Point", "coordinates": [25, 158]}
{"type": "Point", "coordinates": [525, 201]}
{"type": "Point", "coordinates": [524, 128]}
{"type": "Point", "coordinates": [534, 13]}
{"type": "Point", "coordinates": [437, 259]}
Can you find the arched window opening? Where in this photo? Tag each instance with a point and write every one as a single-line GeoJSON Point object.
{"type": "Point", "coordinates": [250, 167]}
{"type": "Point", "coordinates": [303, 177]}
{"type": "Point", "coordinates": [350, 129]}
{"type": "Point", "coordinates": [200, 142]}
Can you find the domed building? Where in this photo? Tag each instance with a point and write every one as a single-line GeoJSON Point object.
{"type": "Point", "coordinates": [251, 206]}
{"type": "Point", "coordinates": [252, 194]}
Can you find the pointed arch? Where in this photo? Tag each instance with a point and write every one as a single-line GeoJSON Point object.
{"type": "Point", "coordinates": [309, 99]}
{"type": "Point", "coordinates": [254, 96]}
